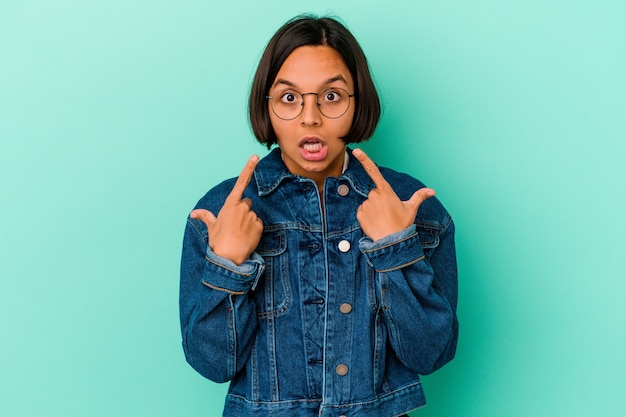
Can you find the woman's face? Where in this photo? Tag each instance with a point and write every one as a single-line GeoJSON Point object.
{"type": "Point", "coordinates": [311, 143]}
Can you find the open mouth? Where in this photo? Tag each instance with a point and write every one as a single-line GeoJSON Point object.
{"type": "Point", "coordinates": [312, 145]}
{"type": "Point", "coordinates": [313, 148]}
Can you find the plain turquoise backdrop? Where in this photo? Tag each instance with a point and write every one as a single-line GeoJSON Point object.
{"type": "Point", "coordinates": [116, 117]}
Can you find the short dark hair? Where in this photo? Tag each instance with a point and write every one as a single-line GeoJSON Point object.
{"type": "Point", "coordinates": [308, 30]}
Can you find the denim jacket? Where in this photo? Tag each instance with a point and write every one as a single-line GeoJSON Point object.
{"type": "Point", "coordinates": [321, 320]}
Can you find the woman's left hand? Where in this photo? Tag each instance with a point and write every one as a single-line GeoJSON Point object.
{"type": "Point", "coordinates": [383, 213]}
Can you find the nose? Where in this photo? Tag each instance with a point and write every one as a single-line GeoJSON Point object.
{"type": "Point", "coordinates": [310, 113]}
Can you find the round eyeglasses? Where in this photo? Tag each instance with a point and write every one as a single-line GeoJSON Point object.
{"type": "Point", "coordinates": [288, 104]}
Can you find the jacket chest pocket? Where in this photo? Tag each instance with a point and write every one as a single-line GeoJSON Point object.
{"type": "Point", "coordinates": [273, 294]}
{"type": "Point", "coordinates": [429, 237]}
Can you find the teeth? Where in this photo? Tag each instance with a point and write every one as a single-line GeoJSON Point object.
{"type": "Point", "coordinates": [312, 146]}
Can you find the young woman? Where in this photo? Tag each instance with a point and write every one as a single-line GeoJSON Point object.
{"type": "Point", "coordinates": [318, 283]}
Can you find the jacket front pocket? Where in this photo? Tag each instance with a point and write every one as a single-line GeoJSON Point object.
{"type": "Point", "coordinates": [273, 294]}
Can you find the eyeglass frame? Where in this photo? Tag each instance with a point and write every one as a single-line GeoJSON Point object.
{"type": "Point", "coordinates": [316, 102]}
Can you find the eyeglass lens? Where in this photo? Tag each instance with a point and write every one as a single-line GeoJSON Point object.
{"type": "Point", "coordinates": [288, 104]}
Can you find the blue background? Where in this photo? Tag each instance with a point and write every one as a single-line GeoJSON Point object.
{"type": "Point", "coordinates": [116, 116]}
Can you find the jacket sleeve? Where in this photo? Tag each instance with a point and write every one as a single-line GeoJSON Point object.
{"type": "Point", "coordinates": [217, 318]}
{"type": "Point", "coordinates": [417, 294]}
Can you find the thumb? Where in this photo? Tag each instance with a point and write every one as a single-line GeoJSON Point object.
{"type": "Point", "coordinates": [420, 196]}
{"type": "Point", "coordinates": [205, 215]}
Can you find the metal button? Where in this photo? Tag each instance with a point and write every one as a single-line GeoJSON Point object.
{"type": "Point", "coordinates": [344, 246]}
{"type": "Point", "coordinates": [343, 190]}
{"type": "Point", "coordinates": [345, 308]}
{"type": "Point", "coordinates": [341, 370]}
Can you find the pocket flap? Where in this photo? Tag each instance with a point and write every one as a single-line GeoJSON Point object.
{"type": "Point", "coordinates": [272, 243]}
{"type": "Point", "coordinates": [428, 234]}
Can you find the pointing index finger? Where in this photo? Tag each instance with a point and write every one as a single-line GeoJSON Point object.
{"type": "Point", "coordinates": [371, 168]}
{"type": "Point", "coordinates": [244, 179]}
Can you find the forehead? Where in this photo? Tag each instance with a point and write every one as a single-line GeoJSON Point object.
{"type": "Point", "coordinates": [311, 67]}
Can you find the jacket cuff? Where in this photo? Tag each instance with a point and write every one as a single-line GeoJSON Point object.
{"type": "Point", "coordinates": [225, 275]}
{"type": "Point", "coordinates": [394, 251]}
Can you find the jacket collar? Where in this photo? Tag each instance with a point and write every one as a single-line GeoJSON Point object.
{"type": "Point", "coordinates": [271, 171]}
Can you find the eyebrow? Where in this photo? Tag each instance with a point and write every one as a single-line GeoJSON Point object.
{"type": "Point", "coordinates": [325, 83]}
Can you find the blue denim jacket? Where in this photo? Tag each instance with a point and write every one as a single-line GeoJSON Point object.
{"type": "Point", "coordinates": [321, 321]}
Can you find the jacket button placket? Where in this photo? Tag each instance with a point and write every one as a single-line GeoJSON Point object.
{"type": "Point", "coordinates": [344, 246]}
{"type": "Point", "coordinates": [312, 287]}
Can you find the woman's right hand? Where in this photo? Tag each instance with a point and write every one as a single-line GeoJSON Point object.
{"type": "Point", "coordinates": [236, 231]}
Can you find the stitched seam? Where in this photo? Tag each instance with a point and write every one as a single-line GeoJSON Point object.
{"type": "Point", "coordinates": [222, 289]}
{"type": "Point", "coordinates": [401, 266]}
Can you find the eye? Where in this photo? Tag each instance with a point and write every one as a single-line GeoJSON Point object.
{"type": "Point", "coordinates": [331, 96]}
{"type": "Point", "coordinates": [288, 97]}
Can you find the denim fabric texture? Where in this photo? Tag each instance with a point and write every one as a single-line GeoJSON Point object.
{"type": "Point", "coordinates": [321, 320]}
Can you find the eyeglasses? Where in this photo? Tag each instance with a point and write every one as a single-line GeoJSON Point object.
{"type": "Point", "coordinates": [332, 103]}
